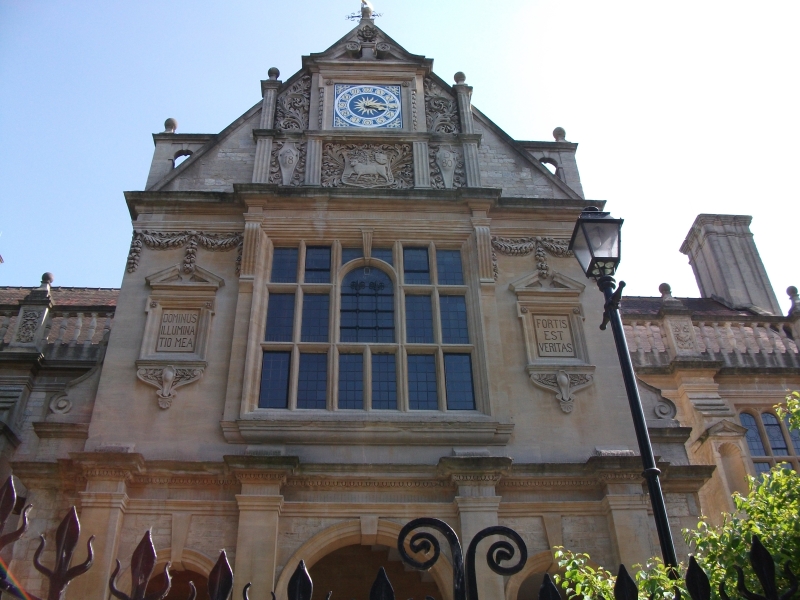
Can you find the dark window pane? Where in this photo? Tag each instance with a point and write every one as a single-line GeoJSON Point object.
{"type": "Point", "coordinates": [367, 306]}
{"type": "Point", "coordinates": [422, 382]}
{"type": "Point", "coordinates": [280, 318]}
{"type": "Point", "coordinates": [384, 381]}
{"type": "Point", "coordinates": [275, 380]}
{"type": "Point", "coordinates": [448, 263]}
{"type": "Point", "coordinates": [318, 265]}
{"type": "Point", "coordinates": [761, 467]}
{"type": "Point", "coordinates": [754, 442]}
{"type": "Point", "coordinates": [458, 382]}
{"type": "Point", "coordinates": [795, 435]}
{"type": "Point", "coordinates": [284, 265]}
{"type": "Point", "coordinates": [351, 381]}
{"type": "Point", "coordinates": [349, 254]}
{"type": "Point", "coordinates": [415, 265]}
{"type": "Point", "coordinates": [312, 381]}
{"type": "Point", "coordinates": [315, 318]}
{"type": "Point", "coordinates": [454, 320]}
{"type": "Point", "coordinates": [419, 320]}
{"type": "Point", "coordinates": [774, 434]}
{"type": "Point", "coordinates": [384, 254]}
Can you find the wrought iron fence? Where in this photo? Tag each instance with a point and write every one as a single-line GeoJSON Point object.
{"type": "Point", "coordinates": [416, 536]}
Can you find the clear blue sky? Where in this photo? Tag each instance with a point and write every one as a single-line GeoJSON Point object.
{"type": "Point", "coordinates": [679, 108]}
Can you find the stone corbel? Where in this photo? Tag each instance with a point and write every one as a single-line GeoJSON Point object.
{"type": "Point", "coordinates": [167, 378]}
{"type": "Point", "coordinates": [564, 382]}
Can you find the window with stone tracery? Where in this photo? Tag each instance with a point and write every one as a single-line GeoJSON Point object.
{"type": "Point", "coordinates": [386, 333]}
{"type": "Point", "coordinates": [770, 440]}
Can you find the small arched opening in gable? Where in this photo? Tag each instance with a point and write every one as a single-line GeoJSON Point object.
{"type": "Point", "coordinates": [180, 157]}
{"type": "Point", "coordinates": [552, 165]}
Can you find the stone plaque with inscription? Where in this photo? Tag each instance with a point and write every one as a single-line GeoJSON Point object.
{"type": "Point", "coordinates": [553, 336]}
{"type": "Point", "coordinates": [177, 331]}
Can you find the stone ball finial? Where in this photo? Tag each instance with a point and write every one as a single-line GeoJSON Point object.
{"type": "Point", "coordinates": [665, 290]}
{"type": "Point", "coordinates": [170, 125]}
{"type": "Point", "coordinates": [47, 279]}
{"type": "Point", "coordinates": [460, 77]}
{"type": "Point", "coordinates": [560, 134]}
{"type": "Point", "coordinates": [273, 73]}
{"type": "Point", "coordinates": [792, 291]}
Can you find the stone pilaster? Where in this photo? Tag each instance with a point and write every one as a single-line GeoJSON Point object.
{"type": "Point", "coordinates": [262, 159]}
{"type": "Point", "coordinates": [260, 503]}
{"type": "Point", "coordinates": [464, 97]}
{"type": "Point", "coordinates": [269, 91]}
{"type": "Point", "coordinates": [422, 173]}
{"type": "Point", "coordinates": [103, 507]}
{"type": "Point", "coordinates": [628, 519]}
{"type": "Point", "coordinates": [313, 161]}
{"type": "Point", "coordinates": [478, 504]}
{"type": "Point", "coordinates": [471, 165]}
{"type": "Point", "coordinates": [483, 240]}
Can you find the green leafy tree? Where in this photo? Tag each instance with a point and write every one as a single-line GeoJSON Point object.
{"type": "Point", "coordinates": [770, 510]}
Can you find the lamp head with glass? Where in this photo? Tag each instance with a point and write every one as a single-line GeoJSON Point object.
{"type": "Point", "coordinates": [596, 243]}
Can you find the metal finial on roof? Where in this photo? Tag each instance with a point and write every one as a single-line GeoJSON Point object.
{"type": "Point", "coordinates": [367, 12]}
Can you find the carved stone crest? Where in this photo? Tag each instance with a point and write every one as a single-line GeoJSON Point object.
{"type": "Point", "coordinates": [367, 165]}
{"type": "Point", "coordinates": [167, 379]}
{"type": "Point", "coordinates": [447, 167]}
{"type": "Point", "coordinates": [288, 163]}
{"type": "Point", "coordinates": [29, 323]}
{"type": "Point", "coordinates": [291, 111]}
{"type": "Point", "coordinates": [367, 33]}
{"type": "Point", "coordinates": [441, 109]}
{"type": "Point", "coordinates": [564, 384]}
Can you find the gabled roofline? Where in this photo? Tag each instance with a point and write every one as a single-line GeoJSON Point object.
{"type": "Point", "coordinates": [520, 150]}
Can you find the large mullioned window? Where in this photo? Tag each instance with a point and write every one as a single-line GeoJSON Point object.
{"type": "Point", "coordinates": [770, 441]}
{"type": "Point", "coordinates": [388, 333]}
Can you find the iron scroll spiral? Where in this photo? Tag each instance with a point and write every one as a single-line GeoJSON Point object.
{"type": "Point", "coordinates": [425, 541]}
{"type": "Point", "coordinates": [499, 551]}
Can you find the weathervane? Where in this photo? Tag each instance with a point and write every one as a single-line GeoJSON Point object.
{"type": "Point", "coordinates": [366, 12]}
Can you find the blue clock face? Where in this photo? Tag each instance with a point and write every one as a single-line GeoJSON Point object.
{"type": "Point", "coordinates": [367, 106]}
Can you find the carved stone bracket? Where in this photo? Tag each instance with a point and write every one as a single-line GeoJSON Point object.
{"type": "Point", "coordinates": [525, 246]}
{"type": "Point", "coordinates": [163, 240]}
{"type": "Point", "coordinates": [166, 379]}
{"type": "Point", "coordinates": [441, 109]}
{"type": "Point", "coordinates": [291, 112]}
{"type": "Point", "coordinates": [563, 382]}
{"type": "Point", "coordinates": [288, 163]}
{"type": "Point", "coordinates": [368, 165]}
{"type": "Point", "coordinates": [446, 166]}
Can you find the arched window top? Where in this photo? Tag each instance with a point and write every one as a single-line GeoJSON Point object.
{"type": "Point", "coordinates": [774, 434]}
{"type": "Point", "coordinates": [754, 442]}
{"type": "Point", "coordinates": [367, 306]}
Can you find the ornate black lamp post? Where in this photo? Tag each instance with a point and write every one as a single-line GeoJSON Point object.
{"type": "Point", "coordinates": [596, 244]}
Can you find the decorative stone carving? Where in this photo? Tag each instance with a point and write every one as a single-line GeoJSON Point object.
{"type": "Point", "coordinates": [367, 165]}
{"type": "Point", "coordinates": [60, 404]}
{"type": "Point", "coordinates": [288, 163]}
{"type": "Point", "coordinates": [447, 167]}
{"type": "Point", "coordinates": [26, 332]}
{"type": "Point", "coordinates": [524, 246]}
{"type": "Point", "coordinates": [167, 380]}
{"type": "Point", "coordinates": [291, 111]}
{"type": "Point", "coordinates": [665, 409]}
{"type": "Point", "coordinates": [441, 109]}
{"type": "Point", "coordinates": [564, 384]}
{"type": "Point", "coordinates": [367, 33]}
{"type": "Point", "coordinates": [163, 240]}
{"type": "Point", "coordinates": [683, 336]}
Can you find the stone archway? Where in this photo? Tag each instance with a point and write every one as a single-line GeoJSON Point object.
{"type": "Point", "coordinates": [349, 533]}
{"type": "Point", "coordinates": [191, 560]}
{"type": "Point", "coordinates": [539, 563]}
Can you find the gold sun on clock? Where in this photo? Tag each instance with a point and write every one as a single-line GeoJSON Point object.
{"type": "Point", "coordinates": [367, 105]}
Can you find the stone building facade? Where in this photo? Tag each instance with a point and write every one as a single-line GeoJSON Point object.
{"type": "Point", "coordinates": [355, 306]}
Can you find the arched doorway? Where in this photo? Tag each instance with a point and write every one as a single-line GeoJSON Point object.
{"type": "Point", "coordinates": [349, 572]}
{"type": "Point", "coordinates": [180, 585]}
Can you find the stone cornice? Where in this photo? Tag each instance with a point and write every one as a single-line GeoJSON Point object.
{"type": "Point", "coordinates": [54, 429]}
{"type": "Point", "coordinates": [361, 483]}
{"type": "Point", "coordinates": [117, 466]}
